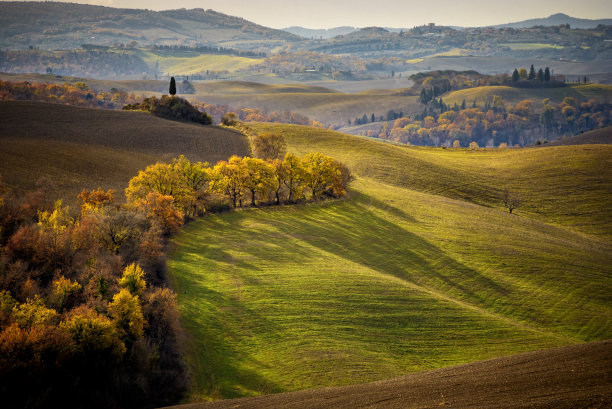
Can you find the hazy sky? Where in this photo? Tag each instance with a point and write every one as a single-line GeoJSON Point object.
{"type": "Point", "coordinates": [385, 13]}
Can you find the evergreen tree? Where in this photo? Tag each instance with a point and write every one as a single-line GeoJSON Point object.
{"type": "Point", "coordinates": [546, 74]}
{"type": "Point", "coordinates": [372, 118]}
{"type": "Point", "coordinates": [172, 86]}
{"type": "Point", "coordinates": [515, 75]}
{"type": "Point", "coordinates": [540, 75]}
{"type": "Point", "coordinates": [532, 73]}
{"type": "Point", "coordinates": [463, 104]}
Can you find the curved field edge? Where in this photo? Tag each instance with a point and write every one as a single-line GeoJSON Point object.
{"type": "Point", "coordinates": [570, 377]}
{"type": "Point", "coordinates": [389, 282]}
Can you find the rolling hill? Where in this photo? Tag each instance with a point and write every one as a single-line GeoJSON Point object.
{"type": "Point", "coordinates": [594, 137]}
{"type": "Point", "coordinates": [79, 148]}
{"type": "Point", "coordinates": [600, 92]}
{"type": "Point", "coordinates": [50, 25]}
{"type": "Point", "coordinates": [420, 268]}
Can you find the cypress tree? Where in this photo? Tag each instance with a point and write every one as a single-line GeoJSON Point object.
{"type": "Point", "coordinates": [540, 75]}
{"type": "Point", "coordinates": [515, 75]}
{"type": "Point", "coordinates": [172, 86]}
{"type": "Point", "coordinates": [546, 74]}
{"type": "Point", "coordinates": [532, 73]}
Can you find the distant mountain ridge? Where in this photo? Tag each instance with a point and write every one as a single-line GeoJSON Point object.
{"type": "Point", "coordinates": [558, 19]}
{"type": "Point", "coordinates": [553, 20]}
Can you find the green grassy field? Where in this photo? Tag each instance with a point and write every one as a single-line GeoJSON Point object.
{"type": "Point", "coordinates": [530, 46]}
{"type": "Point", "coordinates": [186, 63]}
{"type": "Point", "coordinates": [420, 267]}
{"type": "Point", "coordinates": [600, 92]}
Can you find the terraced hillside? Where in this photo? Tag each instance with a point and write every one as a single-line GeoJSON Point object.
{"type": "Point", "coordinates": [420, 268]}
{"type": "Point", "coordinates": [88, 148]}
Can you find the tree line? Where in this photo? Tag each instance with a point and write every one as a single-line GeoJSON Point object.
{"type": "Point", "coordinates": [189, 189]}
{"type": "Point", "coordinates": [75, 94]}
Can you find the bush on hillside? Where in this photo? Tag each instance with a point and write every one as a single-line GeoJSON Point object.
{"type": "Point", "coordinates": [174, 108]}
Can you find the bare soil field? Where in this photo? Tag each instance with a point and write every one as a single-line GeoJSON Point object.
{"type": "Point", "coordinates": [80, 148]}
{"type": "Point", "coordinates": [594, 137]}
{"type": "Point", "coordinates": [571, 377]}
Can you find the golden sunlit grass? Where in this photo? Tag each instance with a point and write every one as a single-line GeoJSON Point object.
{"type": "Point", "coordinates": [600, 92]}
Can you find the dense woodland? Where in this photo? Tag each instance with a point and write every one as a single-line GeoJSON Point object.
{"type": "Point", "coordinates": [496, 122]}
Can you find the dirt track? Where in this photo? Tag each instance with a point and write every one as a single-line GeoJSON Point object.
{"type": "Point", "coordinates": [572, 377]}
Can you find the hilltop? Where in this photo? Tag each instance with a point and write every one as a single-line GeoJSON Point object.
{"type": "Point", "coordinates": [80, 148]}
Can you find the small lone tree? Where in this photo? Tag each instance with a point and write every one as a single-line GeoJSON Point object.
{"type": "Point", "coordinates": [172, 86]}
{"type": "Point", "coordinates": [511, 200]}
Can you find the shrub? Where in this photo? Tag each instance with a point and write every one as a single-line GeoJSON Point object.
{"type": "Point", "coordinates": [174, 108]}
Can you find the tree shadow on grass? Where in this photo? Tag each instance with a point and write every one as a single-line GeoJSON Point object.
{"type": "Point", "coordinates": [357, 234]}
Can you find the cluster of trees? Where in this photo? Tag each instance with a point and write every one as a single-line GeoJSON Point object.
{"type": "Point", "coordinates": [497, 122]}
{"type": "Point", "coordinates": [541, 78]}
{"type": "Point", "coordinates": [390, 116]}
{"type": "Point", "coordinates": [85, 317]}
{"type": "Point", "coordinates": [229, 116]}
{"type": "Point", "coordinates": [187, 189]}
{"type": "Point", "coordinates": [77, 94]}
{"type": "Point", "coordinates": [171, 107]}
{"type": "Point", "coordinates": [78, 63]}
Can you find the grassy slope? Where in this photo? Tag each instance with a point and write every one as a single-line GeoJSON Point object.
{"type": "Point", "coordinates": [86, 148]}
{"type": "Point", "coordinates": [596, 136]}
{"type": "Point", "coordinates": [396, 279]}
{"type": "Point", "coordinates": [185, 63]}
{"type": "Point", "coordinates": [600, 92]}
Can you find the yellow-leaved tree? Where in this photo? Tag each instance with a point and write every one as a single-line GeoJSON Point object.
{"type": "Point", "coordinates": [133, 279]}
{"type": "Point", "coordinates": [127, 316]}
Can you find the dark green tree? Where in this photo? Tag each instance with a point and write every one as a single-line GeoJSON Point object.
{"type": "Point", "coordinates": [515, 75]}
{"type": "Point", "coordinates": [532, 73]}
{"type": "Point", "coordinates": [546, 74]}
{"type": "Point", "coordinates": [372, 118]}
{"type": "Point", "coordinates": [172, 86]}
{"type": "Point", "coordinates": [540, 75]}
